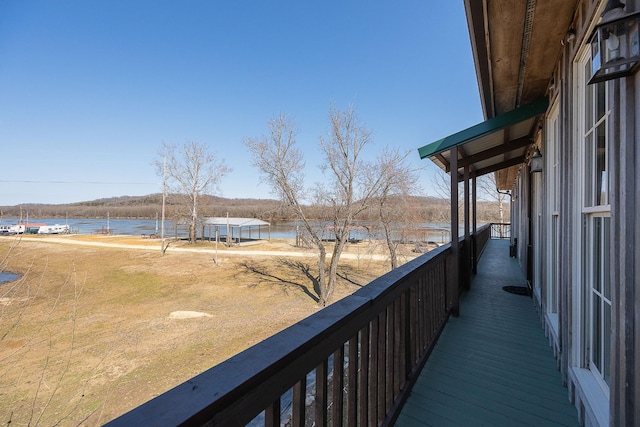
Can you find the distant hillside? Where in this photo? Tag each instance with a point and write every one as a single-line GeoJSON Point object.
{"type": "Point", "coordinates": [420, 209]}
{"type": "Point", "coordinates": [147, 207]}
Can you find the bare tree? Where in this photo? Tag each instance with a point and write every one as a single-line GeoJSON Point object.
{"type": "Point", "coordinates": [345, 192]}
{"type": "Point", "coordinates": [398, 181]}
{"type": "Point", "coordinates": [489, 191]}
{"type": "Point", "coordinates": [442, 186]}
{"type": "Point", "coordinates": [349, 186]}
{"type": "Point", "coordinates": [193, 170]}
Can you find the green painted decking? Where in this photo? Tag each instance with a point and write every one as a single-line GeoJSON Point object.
{"type": "Point", "coordinates": [492, 365]}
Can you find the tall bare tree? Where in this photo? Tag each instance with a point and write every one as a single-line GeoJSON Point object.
{"type": "Point", "coordinates": [488, 190]}
{"type": "Point", "coordinates": [345, 192]}
{"type": "Point", "coordinates": [398, 182]}
{"type": "Point", "coordinates": [442, 186]}
{"type": "Point", "coordinates": [192, 170]}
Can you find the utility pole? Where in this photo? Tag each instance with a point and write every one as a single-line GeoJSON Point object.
{"type": "Point", "coordinates": [164, 198]}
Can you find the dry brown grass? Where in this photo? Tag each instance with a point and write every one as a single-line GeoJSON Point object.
{"type": "Point", "coordinates": [85, 334]}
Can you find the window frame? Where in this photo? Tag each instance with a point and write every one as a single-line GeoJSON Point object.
{"type": "Point", "coordinates": [589, 207]}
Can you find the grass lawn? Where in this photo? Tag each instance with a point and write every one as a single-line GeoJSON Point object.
{"type": "Point", "coordinates": [86, 332]}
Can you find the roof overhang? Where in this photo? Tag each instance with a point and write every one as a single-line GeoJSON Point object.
{"type": "Point", "coordinates": [498, 143]}
{"type": "Point", "coordinates": [516, 46]}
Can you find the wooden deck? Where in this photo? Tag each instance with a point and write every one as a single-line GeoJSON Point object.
{"type": "Point", "coordinates": [492, 365]}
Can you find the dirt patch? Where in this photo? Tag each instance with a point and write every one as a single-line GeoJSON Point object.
{"type": "Point", "coordinates": [86, 333]}
{"type": "Point", "coordinates": [187, 314]}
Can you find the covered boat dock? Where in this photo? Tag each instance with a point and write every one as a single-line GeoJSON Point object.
{"type": "Point", "coordinates": [235, 230]}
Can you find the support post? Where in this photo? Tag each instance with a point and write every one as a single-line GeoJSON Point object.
{"type": "Point", "coordinates": [466, 262]}
{"type": "Point", "coordinates": [455, 260]}
{"type": "Point", "coordinates": [474, 204]}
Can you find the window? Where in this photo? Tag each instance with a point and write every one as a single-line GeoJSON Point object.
{"type": "Point", "coordinates": [552, 176]}
{"type": "Point", "coordinates": [595, 211]}
{"type": "Point", "coordinates": [597, 275]}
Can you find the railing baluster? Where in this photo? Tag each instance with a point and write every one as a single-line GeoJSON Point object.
{"type": "Point", "coordinates": [390, 356]}
{"type": "Point", "coordinates": [321, 393]}
{"type": "Point", "coordinates": [352, 382]}
{"type": "Point", "coordinates": [337, 393]}
{"type": "Point", "coordinates": [414, 321]}
{"type": "Point", "coordinates": [363, 377]}
{"type": "Point", "coordinates": [397, 349]}
{"type": "Point", "coordinates": [272, 414]}
{"type": "Point", "coordinates": [298, 403]}
{"type": "Point", "coordinates": [405, 359]}
{"type": "Point", "coordinates": [436, 302]}
{"type": "Point", "coordinates": [373, 371]}
{"type": "Point", "coordinates": [382, 359]}
{"type": "Point", "coordinates": [427, 312]}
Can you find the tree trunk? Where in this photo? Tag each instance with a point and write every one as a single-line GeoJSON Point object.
{"type": "Point", "coordinates": [501, 215]}
{"type": "Point", "coordinates": [392, 248]}
{"type": "Point", "coordinates": [323, 298]}
{"type": "Point", "coordinates": [386, 225]}
{"type": "Point", "coordinates": [193, 231]}
{"type": "Point", "coordinates": [333, 269]}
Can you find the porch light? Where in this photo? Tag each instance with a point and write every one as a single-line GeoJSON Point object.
{"type": "Point", "coordinates": [615, 48]}
{"type": "Point", "coordinates": [536, 161]}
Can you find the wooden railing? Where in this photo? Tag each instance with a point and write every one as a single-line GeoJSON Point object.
{"type": "Point", "coordinates": [352, 363]}
{"type": "Point", "coordinates": [500, 230]}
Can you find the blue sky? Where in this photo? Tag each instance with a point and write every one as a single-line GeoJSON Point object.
{"type": "Point", "coordinates": [89, 90]}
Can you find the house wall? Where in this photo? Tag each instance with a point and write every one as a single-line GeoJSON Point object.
{"type": "Point", "coordinates": [619, 403]}
{"type": "Point", "coordinates": [625, 257]}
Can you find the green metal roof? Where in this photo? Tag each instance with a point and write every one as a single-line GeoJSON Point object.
{"type": "Point", "coordinates": [494, 144]}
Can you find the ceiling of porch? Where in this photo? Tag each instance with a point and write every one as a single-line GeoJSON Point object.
{"type": "Point", "coordinates": [516, 45]}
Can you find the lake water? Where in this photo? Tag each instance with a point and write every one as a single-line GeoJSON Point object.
{"type": "Point", "coordinates": [278, 230]}
{"type": "Point", "coordinates": [7, 277]}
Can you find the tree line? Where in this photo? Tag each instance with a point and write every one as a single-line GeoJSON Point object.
{"type": "Point", "coordinates": [424, 209]}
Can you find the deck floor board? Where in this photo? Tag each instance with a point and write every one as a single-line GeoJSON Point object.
{"type": "Point", "coordinates": [492, 365]}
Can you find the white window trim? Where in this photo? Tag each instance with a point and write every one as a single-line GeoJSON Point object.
{"type": "Point", "coordinates": [605, 210]}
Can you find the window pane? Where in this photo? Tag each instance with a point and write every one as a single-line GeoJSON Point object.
{"type": "Point", "coordinates": [588, 168]}
{"type": "Point", "coordinates": [556, 165]}
{"type": "Point", "coordinates": [555, 283]}
{"type": "Point", "coordinates": [596, 341]}
{"type": "Point", "coordinates": [597, 254]}
{"type": "Point", "coordinates": [600, 99]}
{"type": "Point", "coordinates": [588, 99]}
{"type": "Point", "coordinates": [602, 184]}
{"type": "Point", "coordinates": [606, 232]}
{"type": "Point", "coordinates": [606, 348]}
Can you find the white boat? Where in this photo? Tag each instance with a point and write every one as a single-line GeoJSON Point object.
{"type": "Point", "coordinates": [17, 229]}
{"type": "Point", "coordinates": [12, 229]}
{"type": "Point", "coordinates": [54, 229]}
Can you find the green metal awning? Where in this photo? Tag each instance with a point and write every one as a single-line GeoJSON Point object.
{"type": "Point", "coordinates": [492, 145]}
